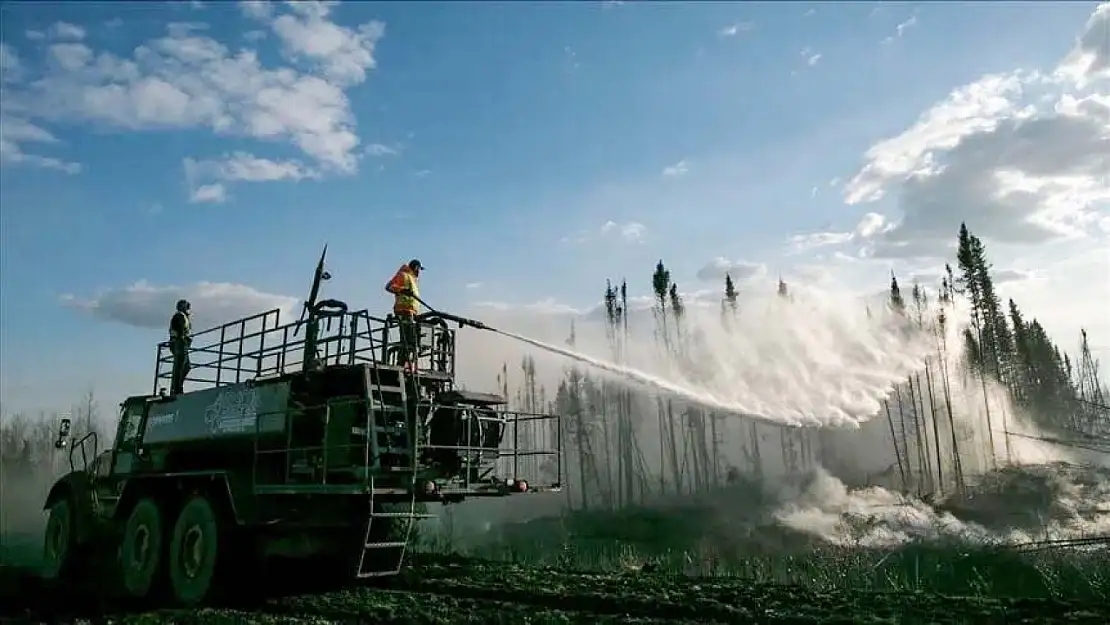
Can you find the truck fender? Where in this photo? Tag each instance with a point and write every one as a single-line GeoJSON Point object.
{"type": "Point", "coordinates": [77, 487]}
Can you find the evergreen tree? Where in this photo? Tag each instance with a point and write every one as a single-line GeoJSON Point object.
{"type": "Point", "coordinates": [897, 304]}
{"type": "Point", "coordinates": [1023, 358]}
{"type": "Point", "coordinates": [660, 284]}
{"type": "Point", "coordinates": [677, 307]}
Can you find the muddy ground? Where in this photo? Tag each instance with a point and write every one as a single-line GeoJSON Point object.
{"type": "Point", "coordinates": [441, 589]}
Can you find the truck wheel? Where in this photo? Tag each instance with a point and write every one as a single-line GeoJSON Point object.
{"type": "Point", "coordinates": [194, 551]}
{"type": "Point", "coordinates": [140, 554]}
{"type": "Point", "coordinates": [59, 542]}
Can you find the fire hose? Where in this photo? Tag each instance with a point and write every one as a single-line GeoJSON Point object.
{"type": "Point", "coordinates": [462, 321]}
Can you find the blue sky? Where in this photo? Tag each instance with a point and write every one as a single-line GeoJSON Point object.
{"type": "Point", "coordinates": [495, 141]}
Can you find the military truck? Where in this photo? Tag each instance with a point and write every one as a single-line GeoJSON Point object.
{"type": "Point", "coordinates": [302, 440]}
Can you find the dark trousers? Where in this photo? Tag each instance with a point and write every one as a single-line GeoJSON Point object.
{"type": "Point", "coordinates": [410, 339]}
{"type": "Point", "coordinates": [181, 366]}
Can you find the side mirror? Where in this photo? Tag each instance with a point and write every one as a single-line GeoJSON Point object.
{"type": "Point", "coordinates": [63, 434]}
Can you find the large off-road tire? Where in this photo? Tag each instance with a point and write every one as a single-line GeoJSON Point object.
{"type": "Point", "coordinates": [195, 552]}
{"type": "Point", "coordinates": [60, 542]}
{"type": "Point", "coordinates": [140, 553]}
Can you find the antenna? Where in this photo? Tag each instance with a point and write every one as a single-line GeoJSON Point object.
{"type": "Point", "coordinates": [310, 303]}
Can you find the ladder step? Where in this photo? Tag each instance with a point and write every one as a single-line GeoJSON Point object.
{"type": "Point", "coordinates": [402, 515]}
{"type": "Point", "coordinates": [381, 388]}
{"type": "Point", "coordinates": [377, 573]}
{"type": "Point", "coordinates": [387, 545]}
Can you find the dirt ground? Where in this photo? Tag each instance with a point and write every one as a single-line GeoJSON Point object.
{"type": "Point", "coordinates": [438, 589]}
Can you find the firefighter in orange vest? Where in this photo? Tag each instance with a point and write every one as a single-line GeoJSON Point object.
{"type": "Point", "coordinates": [405, 287]}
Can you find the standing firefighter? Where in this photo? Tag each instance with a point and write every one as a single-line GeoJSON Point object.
{"type": "Point", "coordinates": [180, 340]}
{"type": "Point", "coordinates": [405, 288]}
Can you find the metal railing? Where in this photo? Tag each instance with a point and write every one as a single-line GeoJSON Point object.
{"type": "Point", "coordinates": [517, 455]}
{"type": "Point", "coordinates": [260, 345]}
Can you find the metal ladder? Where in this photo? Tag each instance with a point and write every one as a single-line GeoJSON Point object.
{"type": "Point", "coordinates": [380, 558]}
{"type": "Point", "coordinates": [389, 415]}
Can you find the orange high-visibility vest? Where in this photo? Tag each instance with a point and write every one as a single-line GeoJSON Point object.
{"type": "Point", "coordinates": [404, 304]}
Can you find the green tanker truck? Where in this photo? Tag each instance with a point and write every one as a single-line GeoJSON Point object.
{"type": "Point", "coordinates": [303, 440]}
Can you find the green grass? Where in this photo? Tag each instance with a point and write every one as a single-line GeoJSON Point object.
{"type": "Point", "coordinates": [683, 544]}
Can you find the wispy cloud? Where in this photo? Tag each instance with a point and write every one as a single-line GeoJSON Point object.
{"type": "Point", "coordinates": [632, 232]}
{"type": "Point", "coordinates": [678, 169]}
{"type": "Point", "coordinates": [901, 29]}
{"type": "Point", "coordinates": [734, 29]}
{"type": "Point", "coordinates": [380, 149]}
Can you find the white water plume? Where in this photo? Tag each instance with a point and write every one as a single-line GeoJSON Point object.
{"type": "Point", "coordinates": [819, 359]}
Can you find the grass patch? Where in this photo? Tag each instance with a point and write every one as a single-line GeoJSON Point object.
{"type": "Point", "coordinates": [679, 542]}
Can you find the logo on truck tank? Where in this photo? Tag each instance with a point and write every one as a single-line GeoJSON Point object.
{"type": "Point", "coordinates": [235, 410]}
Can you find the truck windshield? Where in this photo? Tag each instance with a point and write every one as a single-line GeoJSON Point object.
{"type": "Point", "coordinates": [129, 423]}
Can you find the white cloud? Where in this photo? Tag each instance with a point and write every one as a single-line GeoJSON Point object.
{"type": "Point", "coordinates": [244, 167]}
{"type": "Point", "coordinates": [188, 80]}
{"type": "Point", "coordinates": [473, 286]}
{"type": "Point", "coordinates": [869, 226]}
{"type": "Point", "coordinates": [343, 55]}
{"type": "Point", "coordinates": [809, 58]}
{"type": "Point", "coordinates": [207, 179]}
{"type": "Point", "coordinates": [810, 13]}
{"type": "Point", "coordinates": [1020, 157]}
{"type": "Point", "coordinates": [740, 270]}
{"type": "Point", "coordinates": [15, 131]}
{"type": "Point", "coordinates": [901, 29]}
{"type": "Point", "coordinates": [380, 149]}
{"type": "Point", "coordinates": [208, 194]}
{"type": "Point", "coordinates": [1089, 60]}
{"type": "Point", "coordinates": [733, 29]}
{"type": "Point", "coordinates": [678, 169]}
{"type": "Point", "coordinates": [67, 31]}
{"type": "Point", "coordinates": [257, 9]}
{"type": "Point", "coordinates": [145, 305]}
{"type": "Point", "coordinates": [633, 232]}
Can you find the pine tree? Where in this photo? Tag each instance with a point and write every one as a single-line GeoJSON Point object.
{"type": "Point", "coordinates": [730, 292]}
{"type": "Point", "coordinates": [897, 304]}
{"type": "Point", "coordinates": [660, 284]}
{"type": "Point", "coordinates": [1023, 358]}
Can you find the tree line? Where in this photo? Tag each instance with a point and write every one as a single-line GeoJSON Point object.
{"type": "Point", "coordinates": [934, 447]}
